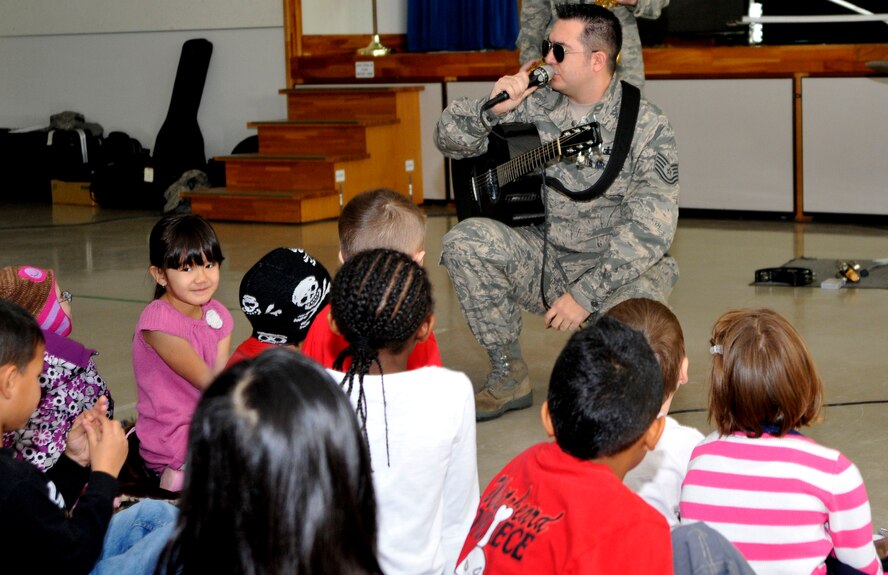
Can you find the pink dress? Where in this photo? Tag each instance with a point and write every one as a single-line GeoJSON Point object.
{"type": "Point", "coordinates": [166, 400]}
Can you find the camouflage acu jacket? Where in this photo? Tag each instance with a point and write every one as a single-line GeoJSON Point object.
{"type": "Point", "coordinates": [609, 241]}
{"type": "Point", "coordinates": [537, 17]}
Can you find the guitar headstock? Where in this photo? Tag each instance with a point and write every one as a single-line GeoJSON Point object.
{"type": "Point", "coordinates": [579, 139]}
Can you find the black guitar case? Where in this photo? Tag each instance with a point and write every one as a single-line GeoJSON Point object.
{"type": "Point", "coordinates": [520, 203]}
{"type": "Point", "coordinates": [179, 146]}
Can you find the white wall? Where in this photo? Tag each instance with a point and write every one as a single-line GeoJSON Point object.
{"type": "Point", "coordinates": [735, 139]}
{"type": "Point", "coordinates": [353, 16]}
{"type": "Point", "coordinates": [124, 81]}
{"type": "Point", "coordinates": [845, 145]}
{"type": "Point", "coordinates": [42, 17]}
{"type": "Point", "coordinates": [116, 61]}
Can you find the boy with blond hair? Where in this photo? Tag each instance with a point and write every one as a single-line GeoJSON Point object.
{"type": "Point", "coordinates": [380, 218]}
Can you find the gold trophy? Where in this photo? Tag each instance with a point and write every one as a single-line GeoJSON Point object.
{"type": "Point", "coordinates": [609, 4]}
{"type": "Point", "coordinates": [375, 47]}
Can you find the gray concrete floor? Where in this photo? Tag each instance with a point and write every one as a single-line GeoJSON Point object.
{"type": "Point", "coordinates": [102, 257]}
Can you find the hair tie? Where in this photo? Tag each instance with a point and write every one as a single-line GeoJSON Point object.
{"type": "Point", "coordinates": [716, 350]}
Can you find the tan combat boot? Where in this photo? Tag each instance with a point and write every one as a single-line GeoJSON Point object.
{"type": "Point", "coordinates": [507, 387]}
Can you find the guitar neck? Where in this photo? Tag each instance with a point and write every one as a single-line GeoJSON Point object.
{"type": "Point", "coordinates": [528, 162]}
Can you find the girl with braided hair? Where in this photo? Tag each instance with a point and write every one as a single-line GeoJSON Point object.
{"type": "Point", "coordinates": [419, 425]}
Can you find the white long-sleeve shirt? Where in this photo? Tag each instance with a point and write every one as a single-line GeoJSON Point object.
{"type": "Point", "coordinates": [657, 479]}
{"type": "Point", "coordinates": [427, 487]}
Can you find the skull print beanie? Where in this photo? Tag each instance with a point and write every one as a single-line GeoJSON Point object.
{"type": "Point", "coordinates": [282, 293]}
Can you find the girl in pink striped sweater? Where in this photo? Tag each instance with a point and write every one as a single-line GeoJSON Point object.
{"type": "Point", "coordinates": [790, 506]}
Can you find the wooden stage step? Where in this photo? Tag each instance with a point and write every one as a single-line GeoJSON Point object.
{"type": "Point", "coordinates": [340, 103]}
{"type": "Point", "coordinates": [293, 172]}
{"type": "Point", "coordinates": [341, 141]}
{"type": "Point", "coordinates": [271, 206]}
{"type": "Point", "coordinates": [323, 137]}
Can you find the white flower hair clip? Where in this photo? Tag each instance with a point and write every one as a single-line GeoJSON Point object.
{"type": "Point", "coordinates": [716, 350]}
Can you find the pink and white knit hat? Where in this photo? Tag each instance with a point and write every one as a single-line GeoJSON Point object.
{"type": "Point", "coordinates": [34, 289]}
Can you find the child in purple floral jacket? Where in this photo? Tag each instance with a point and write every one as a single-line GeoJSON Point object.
{"type": "Point", "coordinates": [70, 383]}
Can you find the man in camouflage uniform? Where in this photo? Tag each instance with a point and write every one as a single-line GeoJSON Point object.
{"type": "Point", "coordinates": [537, 17]}
{"type": "Point", "coordinates": [597, 252]}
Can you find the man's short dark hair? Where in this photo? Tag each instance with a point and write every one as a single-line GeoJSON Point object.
{"type": "Point", "coordinates": [606, 390]}
{"type": "Point", "coordinates": [601, 29]}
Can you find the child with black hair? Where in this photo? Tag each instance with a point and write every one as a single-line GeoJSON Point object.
{"type": "Point", "coordinates": [562, 507]}
{"type": "Point", "coordinates": [61, 521]}
{"type": "Point", "coordinates": [181, 342]}
{"type": "Point", "coordinates": [278, 477]}
{"type": "Point", "coordinates": [424, 460]}
{"type": "Point", "coordinates": [281, 295]}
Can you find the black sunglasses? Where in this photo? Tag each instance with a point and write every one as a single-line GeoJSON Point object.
{"type": "Point", "coordinates": [557, 50]}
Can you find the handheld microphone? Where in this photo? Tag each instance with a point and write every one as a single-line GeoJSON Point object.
{"type": "Point", "coordinates": [539, 77]}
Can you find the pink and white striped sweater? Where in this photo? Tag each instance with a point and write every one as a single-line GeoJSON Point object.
{"type": "Point", "coordinates": [785, 502]}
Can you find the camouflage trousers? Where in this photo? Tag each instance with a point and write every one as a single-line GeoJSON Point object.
{"type": "Point", "coordinates": [496, 272]}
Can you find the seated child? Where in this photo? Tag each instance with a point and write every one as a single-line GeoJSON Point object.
{"type": "Point", "coordinates": [57, 522]}
{"type": "Point", "coordinates": [70, 381]}
{"type": "Point", "coordinates": [379, 218]}
{"type": "Point", "coordinates": [788, 504]}
{"type": "Point", "coordinates": [659, 475]}
{"type": "Point", "coordinates": [278, 477]}
{"type": "Point", "coordinates": [419, 425]}
{"type": "Point", "coordinates": [562, 507]}
{"type": "Point", "coordinates": [182, 340]}
{"type": "Point", "coordinates": [281, 295]}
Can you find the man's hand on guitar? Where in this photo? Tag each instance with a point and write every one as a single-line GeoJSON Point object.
{"type": "Point", "coordinates": [566, 314]}
{"type": "Point", "coordinates": [515, 86]}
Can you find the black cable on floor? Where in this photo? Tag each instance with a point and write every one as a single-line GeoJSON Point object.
{"type": "Point", "coordinates": [838, 404]}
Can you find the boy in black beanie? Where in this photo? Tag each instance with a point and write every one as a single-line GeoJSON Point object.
{"type": "Point", "coordinates": [281, 295]}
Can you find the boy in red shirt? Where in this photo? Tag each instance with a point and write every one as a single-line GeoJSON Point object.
{"type": "Point", "coordinates": [561, 507]}
{"type": "Point", "coordinates": [380, 218]}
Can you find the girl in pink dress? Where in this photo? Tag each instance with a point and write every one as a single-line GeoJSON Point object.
{"type": "Point", "coordinates": [181, 342]}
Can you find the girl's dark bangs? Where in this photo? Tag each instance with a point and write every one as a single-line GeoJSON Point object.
{"type": "Point", "coordinates": [194, 248]}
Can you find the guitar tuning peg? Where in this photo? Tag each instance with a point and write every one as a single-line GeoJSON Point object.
{"type": "Point", "coordinates": [581, 159]}
{"type": "Point", "coordinates": [598, 152]}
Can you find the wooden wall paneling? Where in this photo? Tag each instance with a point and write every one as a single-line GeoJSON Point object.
{"type": "Point", "coordinates": [666, 62]}
{"type": "Point", "coordinates": [798, 150]}
{"type": "Point", "coordinates": [292, 35]}
{"type": "Point", "coordinates": [408, 147]}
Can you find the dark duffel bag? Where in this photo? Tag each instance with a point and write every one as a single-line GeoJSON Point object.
{"type": "Point", "coordinates": [23, 164]}
{"type": "Point", "coordinates": [120, 177]}
{"type": "Point", "coordinates": [73, 154]}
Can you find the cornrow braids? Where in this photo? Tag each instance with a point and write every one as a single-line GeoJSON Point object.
{"type": "Point", "coordinates": [379, 300]}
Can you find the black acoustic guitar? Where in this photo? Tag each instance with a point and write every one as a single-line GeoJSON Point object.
{"type": "Point", "coordinates": [505, 183]}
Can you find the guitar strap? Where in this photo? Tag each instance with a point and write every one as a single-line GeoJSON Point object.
{"type": "Point", "coordinates": [622, 144]}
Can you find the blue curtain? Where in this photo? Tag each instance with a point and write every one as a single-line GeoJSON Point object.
{"type": "Point", "coordinates": [460, 25]}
